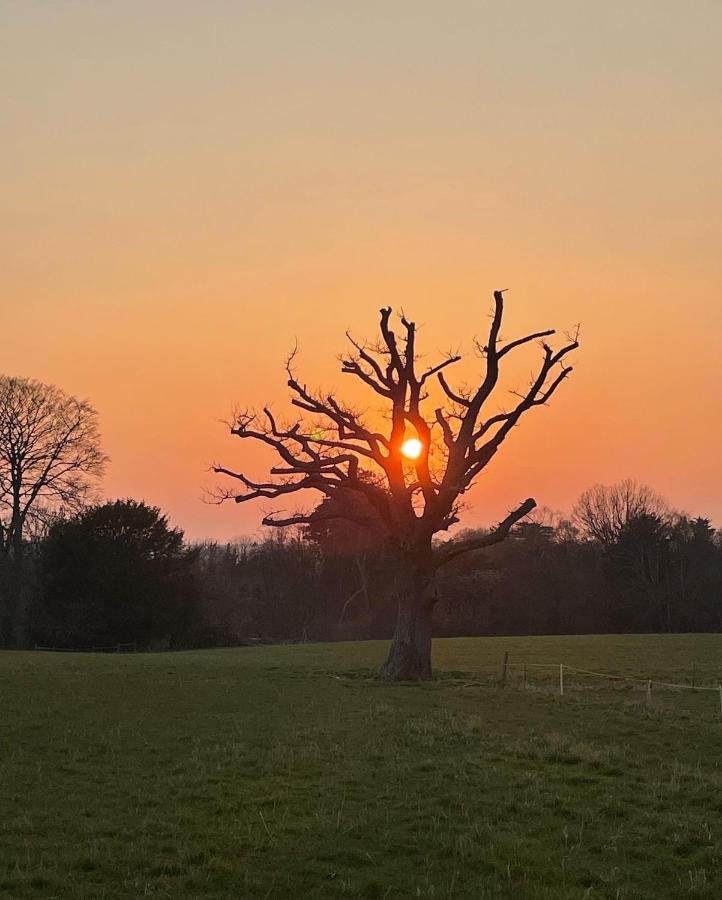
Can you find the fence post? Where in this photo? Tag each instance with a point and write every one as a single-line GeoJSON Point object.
{"type": "Point", "coordinates": [649, 692]}
{"type": "Point", "coordinates": [503, 668]}
{"type": "Point", "coordinates": [561, 679]}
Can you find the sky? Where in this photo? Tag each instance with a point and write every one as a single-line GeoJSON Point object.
{"type": "Point", "coordinates": [187, 188]}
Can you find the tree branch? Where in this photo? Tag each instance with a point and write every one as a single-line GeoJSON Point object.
{"type": "Point", "coordinates": [325, 448]}
{"type": "Point", "coordinates": [453, 549]}
{"type": "Point", "coordinates": [525, 340]}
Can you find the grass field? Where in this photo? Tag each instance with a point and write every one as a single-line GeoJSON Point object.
{"type": "Point", "coordinates": [288, 772]}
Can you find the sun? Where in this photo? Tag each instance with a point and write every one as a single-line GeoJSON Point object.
{"type": "Point", "coordinates": [411, 448]}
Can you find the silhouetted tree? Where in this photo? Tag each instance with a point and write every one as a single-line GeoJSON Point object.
{"type": "Point", "coordinates": [50, 457]}
{"type": "Point", "coordinates": [546, 578]}
{"type": "Point", "coordinates": [603, 510]}
{"type": "Point", "coordinates": [697, 558]}
{"type": "Point", "coordinates": [336, 448]}
{"type": "Point", "coordinates": [221, 574]}
{"type": "Point", "coordinates": [639, 564]}
{"type": "Point", "coordinates": [116, 573]}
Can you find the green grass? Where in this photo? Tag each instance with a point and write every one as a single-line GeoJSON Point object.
{"type": "Point", "coordinates": [288, 772]}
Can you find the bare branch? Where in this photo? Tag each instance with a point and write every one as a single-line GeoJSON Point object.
{"type": "Point", "coordinates": [436, 370]}
{"type": "Point", "coordinates": [445, 427]}
{"type": "Point", "coordinates": [352, 367]}
{"type": "Point", "coordinates": [524, 340]}
{"type": "Point", "coordinates": [496, 535]}
{"type": "Point", "coordinates": [49, 455]}
{"type": "Point", "coordinates": [366, 356]}
{"type": "Point", "coordinates": [452, 395]}
{"type": "Point", "coordinates": [391, 345]}
{"type": "Point", "coordinates": [324, 449]}
{"type": "Point", "coordinates": [317, 515]}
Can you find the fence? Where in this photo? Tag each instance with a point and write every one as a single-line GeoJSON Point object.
{"type": "Point", "coordinates": [563, 670]}
{"type": "Point", "coordinates": [114, 648]}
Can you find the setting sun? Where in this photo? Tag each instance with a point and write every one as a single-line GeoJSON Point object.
{"type": "Point", "coordinates": [411, 448]}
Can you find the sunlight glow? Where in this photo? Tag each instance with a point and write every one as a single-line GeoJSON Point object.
{"type": "Point", "coordinates": [411, 448]}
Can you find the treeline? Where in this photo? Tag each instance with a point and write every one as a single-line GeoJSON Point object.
{"type": "Point", "coordinates": [117, 573]}
{"type": "Point", "coordinates": [657, 574]}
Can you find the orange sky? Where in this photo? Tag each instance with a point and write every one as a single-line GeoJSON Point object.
{"type": "Point", "coordinates": [188, 187]}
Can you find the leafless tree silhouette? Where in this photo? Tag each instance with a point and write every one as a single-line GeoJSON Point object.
{"type": "Point", "coordinates": [603, 510]}
{"type": "Point", "coordinates": [50, 456]}
{"type": "Point", "coordinates": [334, 450]}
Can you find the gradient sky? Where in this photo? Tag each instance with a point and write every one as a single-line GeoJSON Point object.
{"type": "Point", "coordinates": [187, 187]}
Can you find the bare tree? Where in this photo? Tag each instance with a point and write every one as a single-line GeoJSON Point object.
{"type": "Point", "coordinates": [50, 456]}
{"type": "Point", "coordinates": [409, 478]}
{"type": "Point", "coordinates": [603, 510]}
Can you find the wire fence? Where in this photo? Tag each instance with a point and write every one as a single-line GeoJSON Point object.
{"type": "Point", "coordinates": [561, 673]}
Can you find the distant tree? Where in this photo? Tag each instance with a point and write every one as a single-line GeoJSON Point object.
{"type": "Point", "coordinates": [603, 511]}
{"type": "Point", "coordinates": [221, 575]}
{"type": "Point", "coordinates": [640, 566]}
{"type": "Point", "coordinates": [341, 525]}
{"type": "Point", "coordinates": [547, 578]}
{"type": "Point", "coordinates": [50, 456]}
{"type": "Point", "coordinates": [410, 477]}
{"type": "Point", "coordinates": [50, 459]}
{"type": "Point", "coordinates": [696, 574]}
{"type": "Point", "coordinates": [116, 573]}
{"type": "Point", "coordinates": [351, 545]}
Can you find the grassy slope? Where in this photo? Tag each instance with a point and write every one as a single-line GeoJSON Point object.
{"type": "Point", "coordinates": [256, 773]}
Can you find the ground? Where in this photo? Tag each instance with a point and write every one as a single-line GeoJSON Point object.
{"type": "Point", "coordinates": [289, 772]}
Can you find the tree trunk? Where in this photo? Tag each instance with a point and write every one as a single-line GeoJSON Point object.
{"type": "Point", "coordinates": [18, 583]}
{"type": "Point", "coordinates": [6, 601]}
{"type": "Point", "coordinates": [409, 658]}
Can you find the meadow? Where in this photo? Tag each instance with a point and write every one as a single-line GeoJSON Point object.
{"type": "Point", "coordinates": [290, 772]}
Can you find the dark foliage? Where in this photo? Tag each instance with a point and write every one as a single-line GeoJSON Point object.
{"type": "Point", "coordinates": [658, 575]}
{"type": "Point", "coordinates": [117, 573]}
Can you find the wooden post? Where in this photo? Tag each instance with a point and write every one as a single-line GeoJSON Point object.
{"type": "Point", "coordinates": [503, 668]}
{"type": "Point", "coordinates": [649, 692]}
{"type": "Point", "coordinates": [561, 679]}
